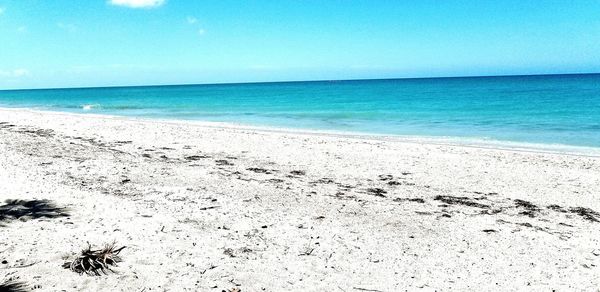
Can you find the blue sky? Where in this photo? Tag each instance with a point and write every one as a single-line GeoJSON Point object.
{"type": "Point", "coordinates": [66, 43]}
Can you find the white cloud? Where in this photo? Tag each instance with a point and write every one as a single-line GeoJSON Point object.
{"type": "Point", "coordinates": [191, 20]}
{"type": "Point", "coordinates": [137, 3]}
{"type": "Point", "coordinates": [201, 31]}
{"type": "Point", "coordinates": [1, 10]}
{"type": "Point", "coordinates": [17, 73]}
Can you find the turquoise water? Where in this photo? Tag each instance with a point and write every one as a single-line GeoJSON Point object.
{"type": "Point", "coordinates": [550, 109]}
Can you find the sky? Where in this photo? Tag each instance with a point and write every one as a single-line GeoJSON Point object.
{"type": "Point", "coordinates": [66, 43]}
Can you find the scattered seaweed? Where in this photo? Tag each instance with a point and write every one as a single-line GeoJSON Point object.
{"type": "Point", "coordinates": [423, 213]}
{"type": "Point", "coordinates": [259, 170]}
{"type": "Point", "coordinates": [345, 187]}
{"type": "Point", "coordinates": [196, 157]}
{"type": "Point", "coordinates": [324, 180]}
{"type": "Point", "coordinates": [452, 200]}
{"type": "Point", "coordinates": [492, 211]}
{"type": "Point", "coordinates": [531, 210]}
{"type": "Point", "coordinates": [343, 196]}
{"type": "Point", "coordinates": [586, 213]}
{"type": "Point", "coordinates": [487, 194]}
{"type": "Point", "coordinates": [95, 262]}
{"type": "Point", "coordinates": [6, 125]}
{"type": "Point", "coordinates": [233, 253]}
{"type": "Point", "coordinates": [223, 162]}
{"type": "Point", "coordinates": [38, 132]}
{"type": "Point", "coordinates": [416, 200]}
{"type": "Point", "coordinates": [378, 192]}
{"type": "Point", "coordinates": [298, 172]}
{"type": "Point", "coordinates": [556, 208]}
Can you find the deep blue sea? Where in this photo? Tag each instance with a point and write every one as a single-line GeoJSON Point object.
{"type": "Point", "coordinates": [548, 109]}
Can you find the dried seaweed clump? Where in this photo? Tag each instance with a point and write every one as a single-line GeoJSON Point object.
{"type": "Point", "coordinates": [96, 262]}
{"type": "Point", "coordinates": [13, 286]}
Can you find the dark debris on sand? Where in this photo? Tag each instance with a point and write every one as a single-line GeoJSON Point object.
{"type": "Point", "coordinates": [324, 180]}
{"type": "Point", "coordinates": [586, 213]}
{"type": "Point", "coordinates": [223, 162]}
{"type": "Point", "coordinates": [556, 208]}
{"type": "Point", "coordinates": [416, 200]}
{"type": "Point", "coordinates": [389, 179]}
{"type": "Point", "coordinates": [452, 200]}
{"type": "Point", "coordinates": [6, 125]}
{"type": "Point", "coordinates": [38, 132]}
{"type": "Point", "coordinates": [259, 170]}
{"type": "Point", "coordinates": [196, 157]}
{"type": "Point", "coordinates": [529, 208]}
{"type": "Point", "coordinates": [378, 192]}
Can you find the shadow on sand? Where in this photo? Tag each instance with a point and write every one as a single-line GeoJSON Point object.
{"type": "Point", "coordinates": [30, 209]}
{"type": "Point", "coordinates": [11, 286]}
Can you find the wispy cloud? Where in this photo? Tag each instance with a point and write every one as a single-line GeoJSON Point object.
{"type": "Point", "coordinates": [17, 73]}
{"type": "Point", "coordinates": [2, 10]}
{"type": "Point", "coordinates": [22, 29]}
{"type": "Point", "coordinates": [137, 3]}
{"type": "Point", "coordinates": [191, 20]}
{"type": "Point", "coordinates": [67, 26]}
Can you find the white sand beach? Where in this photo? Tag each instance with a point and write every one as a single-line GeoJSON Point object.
{"type": "Point", "coordinates": [217, 208]}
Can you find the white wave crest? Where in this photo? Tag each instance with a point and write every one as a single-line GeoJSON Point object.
{"type": "Point", "coordinates": [88, 107]}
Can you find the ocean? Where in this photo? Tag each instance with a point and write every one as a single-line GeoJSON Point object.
{"type": "Point", "coordinates": [542, 109]}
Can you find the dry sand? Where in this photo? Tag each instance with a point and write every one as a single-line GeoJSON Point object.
{"type": "Point", "coordinates": [211, 208]}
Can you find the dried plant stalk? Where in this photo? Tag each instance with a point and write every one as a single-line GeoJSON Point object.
{"type": "Point", "coordinates": [96, 262]}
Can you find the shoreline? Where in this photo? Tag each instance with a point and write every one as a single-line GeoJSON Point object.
{"type": "Point", "coordinates": [559, 149]}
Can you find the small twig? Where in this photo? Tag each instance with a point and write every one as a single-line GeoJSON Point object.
{"type": "Point", "coordinates": [21, 266]}
{"type": "Point", "coordinates": [365, 289]}
{"type": "Point", "coordinates": [209, 268]}
{"type": "Point", "coordinates": [208, 208]}
{"type": "Point", "coordinates": [308, 252]}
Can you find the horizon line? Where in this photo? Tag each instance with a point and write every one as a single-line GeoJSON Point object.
{"type": "Point", "coordinates": [301, 81]}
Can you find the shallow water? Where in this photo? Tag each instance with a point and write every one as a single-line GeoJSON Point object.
{"type": "Point", "coordinates": [549, 109]}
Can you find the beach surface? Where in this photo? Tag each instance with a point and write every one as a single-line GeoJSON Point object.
{"type": "Point", "coordinates": [205, 207]}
